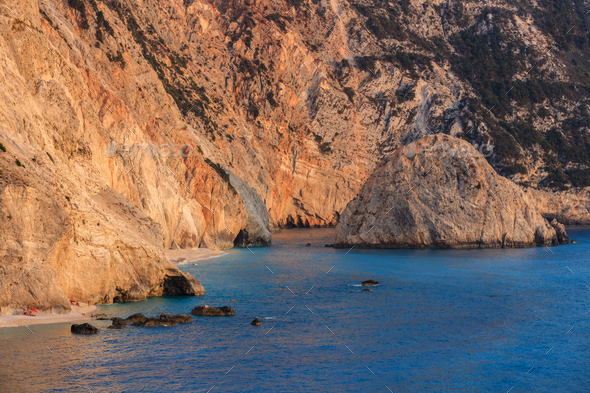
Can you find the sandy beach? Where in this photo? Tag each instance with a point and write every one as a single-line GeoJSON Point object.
{"type": "Point", "coordinates": [192, 255]}
{"type": "Point", "coordinates": [78, 313]}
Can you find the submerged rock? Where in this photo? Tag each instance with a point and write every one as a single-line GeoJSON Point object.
{"type": "Point", "coordinates": [440, 192]}
{"type": "Point", "coordinates": [329, 245]}
{"type": "Point", "coordinates": [366, 290]}
{"type": "Point", "coordinates": [155, 322]}
{"type": "Point", "coordinates": [308, 245]}
{"type": "Point", "coordinates": [179, 318]}
{"type": "Point", "coordinates": [369, 283]}
{"type": "Point", "coordinates": [210, 311]}
{"type": "Point", "coordinates": [574, 242]}
{"type": "Point", "coordinates": [97, 316]}
{"type": "Point", "coordinates": [137, 317]}
{"type": "Point", "coordinates": [84, 328]}
{"type": "Point", "coordinates": [117, 326]}
{"type": "Point", "coordinates": [181, 260]}
{"type": "Point", "coordinates": [256, 322]}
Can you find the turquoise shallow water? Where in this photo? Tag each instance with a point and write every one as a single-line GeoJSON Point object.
{"type": "Point", "coordinates": [442, 321]}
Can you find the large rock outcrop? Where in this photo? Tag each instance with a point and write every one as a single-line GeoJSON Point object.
{"type": "Point", "coordinates": [440, 192]}
{"type": "Point", "coordinates": [257, 230]}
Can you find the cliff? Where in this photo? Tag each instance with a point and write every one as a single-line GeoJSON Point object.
{"type": "Point", "coordinates": [162, 102]}
{"type": "Point", "coordinates": [440, 192]}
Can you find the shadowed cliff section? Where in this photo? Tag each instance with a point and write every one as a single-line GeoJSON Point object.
{"type": "Point", "coordinates": [440, 192]}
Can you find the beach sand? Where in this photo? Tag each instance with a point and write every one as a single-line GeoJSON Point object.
{"type": "Point", "coordinates": [192, 255]}
{"type": "Point", "coordinates": [74, 316]}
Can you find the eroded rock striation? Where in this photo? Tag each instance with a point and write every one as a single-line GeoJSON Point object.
{"type": "Point", "coordinates": [440, 192]}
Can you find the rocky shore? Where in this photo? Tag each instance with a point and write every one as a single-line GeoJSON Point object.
{"type": "Point", "coordinates": [440, 192]}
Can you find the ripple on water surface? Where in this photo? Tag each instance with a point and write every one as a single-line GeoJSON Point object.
{"type": "Point", "coordinates": [441, 321]}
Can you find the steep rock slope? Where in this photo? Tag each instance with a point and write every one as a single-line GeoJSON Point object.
{"type": "Point", "coordinates": [440, 192]}
{"type": "Point", "coordinates": [299, 99]}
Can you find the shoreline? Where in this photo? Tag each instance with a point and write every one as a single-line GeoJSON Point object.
{"type": "Point", "coordinates": [77, 312]}
{"type": "Point", "coordinates": [192, 255]}
{"type": "Point", "coordinates": [41, 319]}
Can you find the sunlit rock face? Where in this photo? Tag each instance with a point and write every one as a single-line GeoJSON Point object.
{"type": "Point", "coordinates": [439, 192]}
{"type": "Point", "coordinates": [133, 114]}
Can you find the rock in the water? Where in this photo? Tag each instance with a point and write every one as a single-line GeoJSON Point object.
{"type": "Point", "coordinates": [138, 317]}
{"type": "Point", "coordinates": [366, 290]}
{"type": "Point", "coordinates": [329, 245]}
{"type": "Point", "coordinates": [233, 300]}
{"type": "Point", "coordinates": [562, 236]}
{"type": "Point", "coordinates": [308, 245]}
{"type": "Point", "coordinates": [194, 264]}
{"type": "Point", "coordinates": [574, 242]}
{"type": "Point", "coordinates": [155, 322]}
{"type": "Point", "coordinates": [369, 283]}
{"type": "Point", "coordinates": [119, 321]}
{"type": "Point", "coordinates": [181, 260]}
{"type": "Point", "coordinates": [257, 230]}
{"type": "Point", "coordinates": [117, 326]}
{"type": "Point", "coordinates": [179, 318]}
{"type": "Point", "coordinates": [84, 328]}
{"type": "Point", "coordinates": [440, 192]}
{"type": "Point", "coordinates": [97, 316]}
{"type": "Point", "coordinates": [256, 322]}
{"type": "Point", "coordinates": [209, 311]}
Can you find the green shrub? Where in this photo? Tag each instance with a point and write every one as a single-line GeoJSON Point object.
{"type": "Point", "coordinates": [18, 163]}
{"type": "Point", "coordinates": [2, 147]}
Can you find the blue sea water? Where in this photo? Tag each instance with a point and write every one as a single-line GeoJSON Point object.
{"type": "Point", "coordinates": [441, 321]}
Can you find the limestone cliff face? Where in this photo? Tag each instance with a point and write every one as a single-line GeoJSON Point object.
{"type": "Point", "coordinates": [158, 101]}
{"type": "Point", "coordinates": [257, 230]}
{"type": "Point", "coordinates": [439, 192]}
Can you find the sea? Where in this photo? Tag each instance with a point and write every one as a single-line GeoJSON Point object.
{"type": "Point", "coordinates": [485, 320]}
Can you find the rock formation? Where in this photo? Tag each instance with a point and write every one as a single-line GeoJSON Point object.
{"type": "Point", "coordinates": [210, 311]}
{"type": "Point", "coordinates": [257, 230]}
{"type": "Point", "coordinates": [84, 328]}
{"type": "Point", "coordinates": [440, 192]}
{"type": "Point", "coordinates": [123, 122]}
